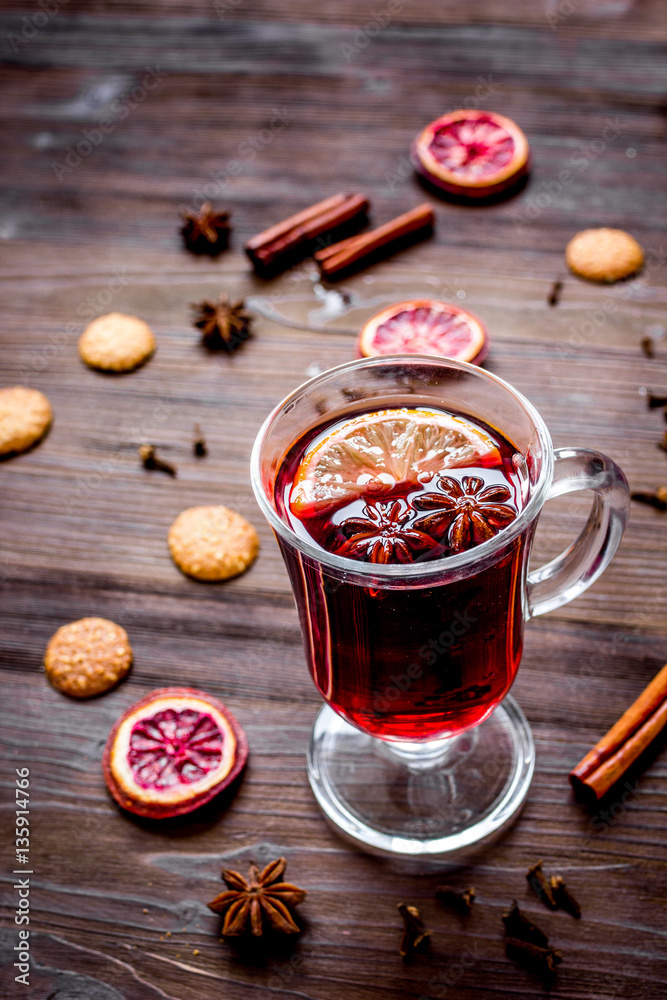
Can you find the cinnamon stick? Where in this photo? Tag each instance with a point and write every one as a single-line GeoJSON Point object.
{"type": "Point", "coordinates": [340, 257]}
{"type": "Point", "coordinates": [294, 238]}
{"type": "Point", "coordinates": [610, 758]}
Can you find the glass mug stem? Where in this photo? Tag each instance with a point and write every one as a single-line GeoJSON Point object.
{"type": "Point", "coordinates": [445, 753]}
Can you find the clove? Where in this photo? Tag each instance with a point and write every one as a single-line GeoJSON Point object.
{"type": "Point", "coordinates": [647, 344]}
{"type": "Point", "coordinates": [540, 885]}
{"type": "Point", "coordinates": [657, 499]}
{"type": "Point", "coordinates": [564, 898]}
{"type": "Point", "coordinates": [520, 927]}
{"type": "Point", "coordinates": [415, 935]}
{"type": "Point", "coordinates": [543, 961]}
{"type": "Point", "coordinates": [459, 899]}
{"type": "Point", "coordinates": [199, 443]}
{"type": "Point", "coordinates": [151, 460]}
{"type": "Point", "coordinates": [554, 295]}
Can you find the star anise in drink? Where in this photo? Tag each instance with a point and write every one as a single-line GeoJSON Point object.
{"type": "Point", "coordinates": [206, 231]}
{"type": "Point", "coordinates": [467, 513]}
{"type": "Point", "coordinates": [384, 535]}
{"type": "Point", "coordinates": [223, 324]}
{"type": "Point", "coordinates": [261, 899]}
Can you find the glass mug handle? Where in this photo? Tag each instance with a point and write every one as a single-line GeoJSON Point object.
{"type": "Point", "coordinates": [575, 569]}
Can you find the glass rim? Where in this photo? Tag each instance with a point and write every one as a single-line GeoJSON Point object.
{"type": "Point", "coordinates": [425, 568]}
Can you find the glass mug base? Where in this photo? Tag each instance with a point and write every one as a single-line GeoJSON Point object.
{"type": "Point", "coordinates": [435, 800]}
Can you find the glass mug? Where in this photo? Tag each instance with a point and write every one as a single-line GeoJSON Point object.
{"type": "Point", "coordinates": [419, 750]}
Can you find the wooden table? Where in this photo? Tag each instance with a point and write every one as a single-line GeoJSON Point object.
{"type": "Point", "coordinates": [118, 904]}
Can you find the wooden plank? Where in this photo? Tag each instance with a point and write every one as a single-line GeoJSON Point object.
{"type": "Point", "coordinates": [595, 18]}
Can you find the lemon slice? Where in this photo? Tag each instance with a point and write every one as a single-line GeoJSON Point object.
{"type": "Point", "coordinates": [373, 453]}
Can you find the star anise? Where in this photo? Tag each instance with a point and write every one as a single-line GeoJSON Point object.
{"type": "Point", "coordinates": [260, 899]}
{"type": "Point", "coordinates": [383, 536]}
{"type": "Point", "coordinates": [467, 512]}
{"type": "Point", "coordinates": [206, 231]}
{"type": "Point", "coordinates": [223, 324]}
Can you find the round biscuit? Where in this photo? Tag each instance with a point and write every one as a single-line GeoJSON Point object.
{"type": "Point", "coordinates": [87, 657]}
{"type": "Point", "coordinates": [116, 343]}
{"type": "Point", "coordinates": [604, 255]}
{"type": "Point", "coordinates": [25, 417]}
{"type": "Point", "coordinates": [212, 543]}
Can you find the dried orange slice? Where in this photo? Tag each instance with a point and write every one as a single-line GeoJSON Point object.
{"type": "Point", "coordinates": [425, 326]}
{"type": "Point", "coordinates": [173, 751]}
{"type": "Point", "coordinates": [472, 153]}
{"type": "Point", "coordinates": [375, 452]}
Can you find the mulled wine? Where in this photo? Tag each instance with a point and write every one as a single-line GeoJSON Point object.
{"type": "Point", "coordinates": [402, 486]}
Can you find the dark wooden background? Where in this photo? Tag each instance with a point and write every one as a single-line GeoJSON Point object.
{"type": "Point", "coordinates": [118, 905]}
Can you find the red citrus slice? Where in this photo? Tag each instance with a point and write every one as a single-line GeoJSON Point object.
{"type": "Point", "coordinates": [374, 452]}
{"type": "Point", "coordinates": [173, 751]}
{"type": "Point", "coordinates": [424, 326]}
{"type": "Point", "coordinates": [472, 153]}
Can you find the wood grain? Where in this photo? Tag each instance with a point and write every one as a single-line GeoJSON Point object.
{"type": "Point", "coordinates": [118, 904]}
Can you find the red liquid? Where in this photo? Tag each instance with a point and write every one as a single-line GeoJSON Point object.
{"type": "Point", "coordinates": [412, 662]}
